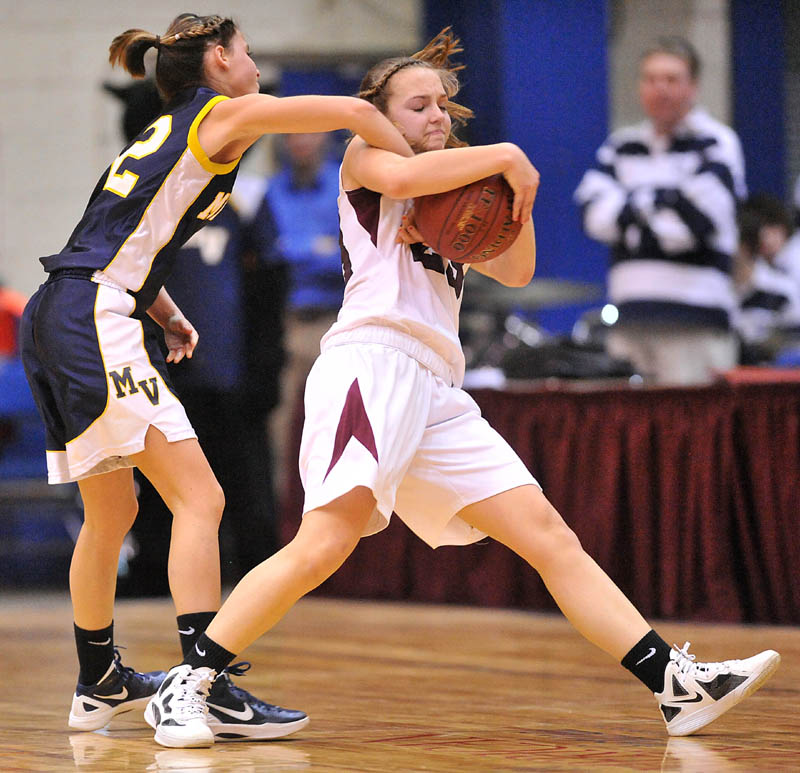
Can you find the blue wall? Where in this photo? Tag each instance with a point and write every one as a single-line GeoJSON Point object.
{"type": "Point", "coordinates": [537, 76]}
{"type": "Point", "coordinates": [759, 61]}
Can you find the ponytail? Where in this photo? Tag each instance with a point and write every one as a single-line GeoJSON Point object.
{"type": "Point", "coordinates": [128, 49]}
{"type": "Point", "coordinates": [181, 50]}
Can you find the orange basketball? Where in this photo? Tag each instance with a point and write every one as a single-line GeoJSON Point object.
{"type": "Point", "coordinates": [471, 224]}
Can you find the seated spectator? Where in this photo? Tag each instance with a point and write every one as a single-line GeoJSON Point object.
{"type": "Point", "coordinates": [788, 258]}
{"type": "Point", "coordinates": [769, 299]}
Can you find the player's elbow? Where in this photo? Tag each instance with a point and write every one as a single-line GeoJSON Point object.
{"type": "Point", "coordinates": [521, 265]}
{"type": "Point", "coordinates": [361, 115]}
{"type": "Point", "coordinates": [516, 270]}
{"type": "Point", "coordinates": [521, 275]}
{"type": "Point", "coordinates": [398, 184]}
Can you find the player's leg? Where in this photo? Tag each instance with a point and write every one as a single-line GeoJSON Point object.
{"type": "Point", "coordinates": [525, 521]}
{"type": "Point", "coordinates": [182, 476]}
{"type": "Point", "coordinates": [105, 687]}
{"type": "Point", "coordinates": [325, 538]}
{"type": "Point", "coordinates": [689, 694]}
{"type": "Point", "coordinates": [109, 509]}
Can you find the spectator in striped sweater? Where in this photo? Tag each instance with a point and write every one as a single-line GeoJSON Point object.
{"type": "Point", "coordinates": [663, 196]}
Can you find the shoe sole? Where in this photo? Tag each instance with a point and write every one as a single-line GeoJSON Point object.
{"type": "Point", "coordinates": [174, 742]}
{"type": "Point", "coordinates": [703, 717]}
{"type": "Point", "coordinates": [100, 718]}
{"type": "Point", "coordinates": [266, 732]}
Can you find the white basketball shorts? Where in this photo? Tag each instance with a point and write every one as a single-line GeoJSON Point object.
{"type": "Point", "coordinates": [375, 417]}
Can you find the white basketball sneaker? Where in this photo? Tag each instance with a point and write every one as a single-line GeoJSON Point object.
{"type": "Point", "coordinates": [697, 693]}
{"type": "Point", "coordinates": [178, 711]}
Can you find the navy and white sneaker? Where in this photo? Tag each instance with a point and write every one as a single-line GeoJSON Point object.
{"type": "Point", "coordinates": [695, 694]}
{"type": "Point", "coordinates": [236, 715]}
{"type": "Point", "coordinates": [119, 690]}
{"type": "Point", "coordinates": [177, 712]}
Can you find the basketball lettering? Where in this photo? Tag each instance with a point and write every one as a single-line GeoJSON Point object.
{"type": "Point", "coordinates": [470, 224]}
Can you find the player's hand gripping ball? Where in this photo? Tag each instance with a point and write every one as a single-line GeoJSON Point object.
{"type": "Point", "coordinates": [471, 224]}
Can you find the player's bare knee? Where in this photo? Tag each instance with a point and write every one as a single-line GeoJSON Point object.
{"type": "Point", "coordinates": [206, 504]}
{"type": "Point", "coordinates": [217, 501]}
{"type": "Point", "coordinates": [554, 539]}
{"type": "Point", "coordinates": [561, 545]}
{"type": "Point", "coordinates": [132, 510]}
{"type": "Point", "coordinates": [111, 523]}
{"type": "Point", "coordinates": [328, 553]}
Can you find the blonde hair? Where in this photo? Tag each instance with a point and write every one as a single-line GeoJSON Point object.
{"type": "Point", "coordinates": [181, 50]}
{"type": "Point", "coordinates": [437, 56]}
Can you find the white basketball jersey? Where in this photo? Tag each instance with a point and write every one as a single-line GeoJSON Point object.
{"type": "Point", "coordinates": [401, 295]}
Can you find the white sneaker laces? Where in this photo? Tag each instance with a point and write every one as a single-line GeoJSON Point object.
{"type": "Point", "coordinates": [190, 696]}
{"type": "Point", "coordinates": [687, 665]}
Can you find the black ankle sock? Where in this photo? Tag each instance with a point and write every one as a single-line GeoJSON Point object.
{"type": "Point", "coordinates": [190, 627]}
{"type": "Point", "coordinates": [95, 652]}
{"type": "Point", "coordinates": [648, 660]}
{"type": "Point", "coordinates": [206, 652]}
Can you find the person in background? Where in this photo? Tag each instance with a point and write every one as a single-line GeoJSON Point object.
{"type": "Point", "coordinates": [302, 197]}
{"type": "Point", "coordinates": [663, 196]}
{"type": "Point", "coordinates": [769, 299]}
{"type": "Point", "coordinates": [787, 259]}
{"type": "Point", "coordinates": [12, 304]}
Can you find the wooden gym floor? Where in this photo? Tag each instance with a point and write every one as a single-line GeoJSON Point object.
{"type": "Point", "coordinates": [398, 687]}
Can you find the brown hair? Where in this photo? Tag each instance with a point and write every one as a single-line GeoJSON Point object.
{"type": "Point", "coordinates": [180, 51]}
{"type": "Point", "coordinates": [674, 45]}
{"type": "Point", "coordinates": [436, 56]}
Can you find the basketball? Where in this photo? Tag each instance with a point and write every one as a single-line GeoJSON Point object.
{"type": "Point", "coordinates": [471, 224]}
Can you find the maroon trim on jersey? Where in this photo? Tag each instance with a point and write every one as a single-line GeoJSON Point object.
{"type": "Point", "coordinates": [347, 266]}
{"type": "Point", "coordinates": [354, 423]}
{"type": "Point", "coordinates": [367, 206]}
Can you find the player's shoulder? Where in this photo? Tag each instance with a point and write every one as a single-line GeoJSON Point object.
{"type": "Point", "coordinates": [189, 103]}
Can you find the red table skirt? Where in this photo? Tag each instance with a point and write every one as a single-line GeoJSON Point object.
{"type": "Point", "coordinates": [688, 498]}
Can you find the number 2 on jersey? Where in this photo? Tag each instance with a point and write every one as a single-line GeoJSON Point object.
{"type": "Point", "coordinates": [122, 183]}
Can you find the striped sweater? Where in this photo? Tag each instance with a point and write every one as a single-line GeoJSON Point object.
{"type": "Point", "coordinates": [667, 208]}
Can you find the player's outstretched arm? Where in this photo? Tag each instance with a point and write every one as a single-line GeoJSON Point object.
{"type": "Point", "coordinates": [233, 125]}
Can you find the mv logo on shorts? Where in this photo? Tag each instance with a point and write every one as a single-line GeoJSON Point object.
{"type": "Point", "coordinates": [125, 385]}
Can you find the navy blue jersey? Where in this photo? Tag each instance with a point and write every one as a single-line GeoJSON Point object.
{"type": "Point", "coordinates": [156, 194]}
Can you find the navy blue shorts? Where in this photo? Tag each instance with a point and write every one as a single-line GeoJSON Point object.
{"type": "Point", "coordinates": [97, 380]}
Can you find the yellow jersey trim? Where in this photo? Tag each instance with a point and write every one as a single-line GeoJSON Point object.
{"type": "Point", "coordinates": [197, 150]}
